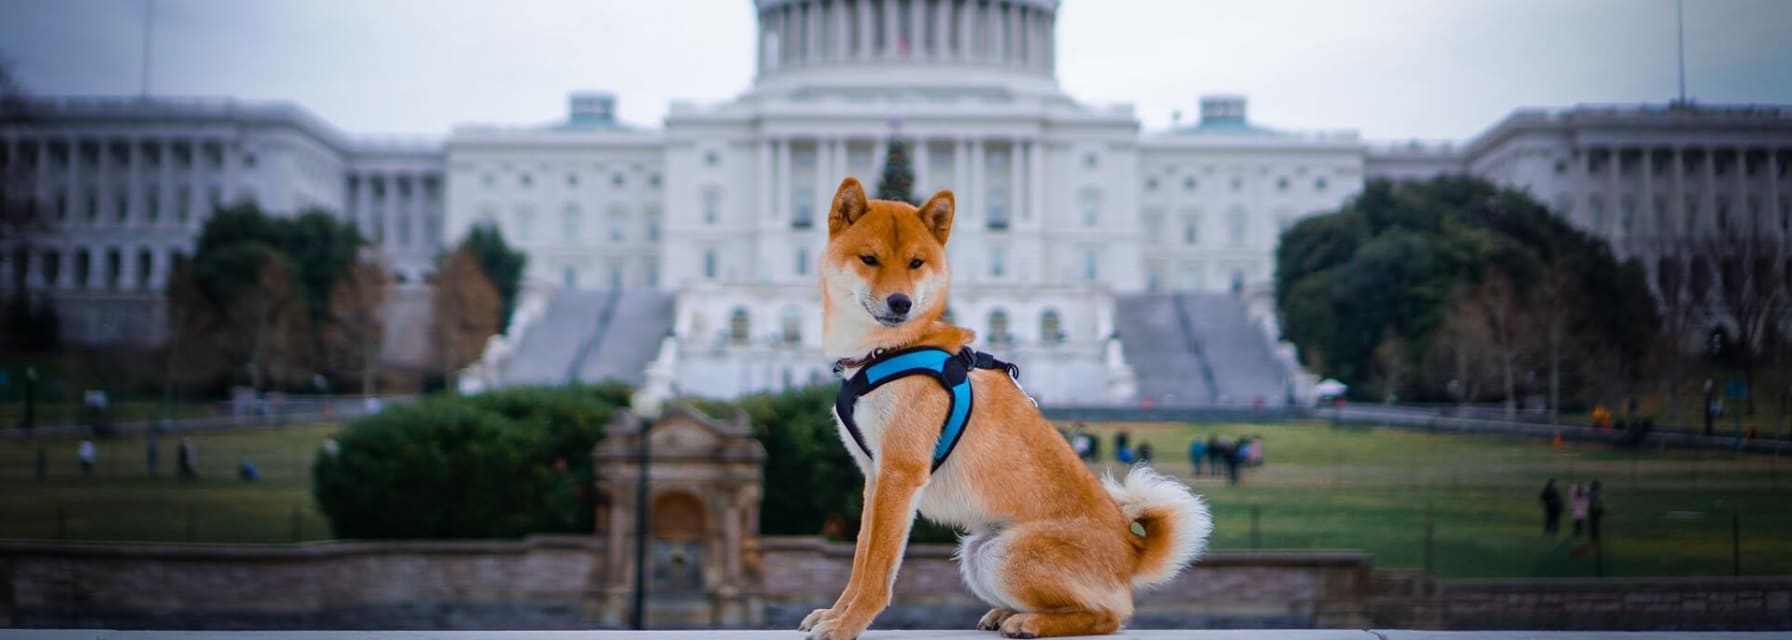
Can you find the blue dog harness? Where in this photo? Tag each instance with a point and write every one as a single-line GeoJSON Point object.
{"type": "Point", "coordinates": [951, 370]}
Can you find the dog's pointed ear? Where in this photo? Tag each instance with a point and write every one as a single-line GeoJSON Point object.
{"type": "Point", "coordinates": [850, 204]}
{"type": "Point", "coordinates": [936, 213]}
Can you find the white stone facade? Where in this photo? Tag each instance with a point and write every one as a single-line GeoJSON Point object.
{"type": "Point", "coordinates": [1636, 175]}
{"type": "Point", "coordinates": [1061, 205]}
{"type": "Point", "coordinates": [123, 185]}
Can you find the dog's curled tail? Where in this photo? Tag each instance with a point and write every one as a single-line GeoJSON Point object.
{"type": "Point", "coordinates": [1175, 522]}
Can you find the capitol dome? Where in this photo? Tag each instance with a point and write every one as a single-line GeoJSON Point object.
{"type": "Point", "coordinates": [857, 46]}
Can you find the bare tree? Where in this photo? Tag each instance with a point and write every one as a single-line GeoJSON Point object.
{"type": "Point", "coordinates": [357, 330]}
{"type": "Point", "coordinates": [464, 313]}
{"type": "Point", "coordinates": [265, 317]}
{"type": "Point", "coordinates": [1748, 293]}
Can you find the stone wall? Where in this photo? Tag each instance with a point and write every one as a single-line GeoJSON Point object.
{"type": "Point", "coordinates": [541, 582]}
{"type": "Point", "coordinates": [1223, 590]}
{"type": "Point", "coordinates": [547, 582]}
{"type": "Point", "coordinates": [1627, 604]}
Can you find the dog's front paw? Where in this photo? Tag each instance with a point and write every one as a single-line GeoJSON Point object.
{"type": "Point", "coordinates": [814, 618]}
{"type": "Point", "coordinates": [993, 620]}
{"type": "Point", "coordinates": [1020, 626]}
{"type": "Point", "coordinates": [844, 627]}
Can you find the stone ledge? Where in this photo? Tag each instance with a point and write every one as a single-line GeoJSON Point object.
{"type": "Point", "coordinates": [874, 634]}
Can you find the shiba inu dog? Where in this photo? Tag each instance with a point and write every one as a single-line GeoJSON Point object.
{"type": "Point", "coordinates": [1054, 550]}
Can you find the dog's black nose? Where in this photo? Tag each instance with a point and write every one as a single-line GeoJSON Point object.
{"type": "Point", "coordinates": [899, 303]}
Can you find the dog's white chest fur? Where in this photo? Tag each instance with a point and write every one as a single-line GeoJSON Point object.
{"type": "Point", "coordinates": [944, 498]}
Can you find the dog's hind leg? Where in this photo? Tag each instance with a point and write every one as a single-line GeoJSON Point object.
{"type": "Point", "coordinates": [1064, 579]}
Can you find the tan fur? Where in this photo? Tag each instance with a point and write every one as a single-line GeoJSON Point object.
{"type": "Point", "coordinates": [1049, 546]}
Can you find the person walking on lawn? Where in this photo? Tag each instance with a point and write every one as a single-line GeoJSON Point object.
{"type": "Point", "coordinates": [1552, 508]}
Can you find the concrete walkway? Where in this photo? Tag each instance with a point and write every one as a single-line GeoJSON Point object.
{"type": "Point", "coordinates": [1241, 634]}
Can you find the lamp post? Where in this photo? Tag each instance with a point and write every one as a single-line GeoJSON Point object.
{"type": "Point", "coordinates": [646, 406]}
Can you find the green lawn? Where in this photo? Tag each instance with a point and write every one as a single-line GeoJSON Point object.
{"type": "Point", "coordinates": [1668, 513]}
{"type": "Point", "coordinates": [121, 501]}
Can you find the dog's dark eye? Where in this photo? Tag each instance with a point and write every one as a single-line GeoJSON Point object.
{"type": "Point", "coordinates": [869, 260]}
{"type": "Point", "coordinates": [915, 263]}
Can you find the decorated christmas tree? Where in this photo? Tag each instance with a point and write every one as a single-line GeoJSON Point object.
{"type": "Point", "coordinates": [898, 181]}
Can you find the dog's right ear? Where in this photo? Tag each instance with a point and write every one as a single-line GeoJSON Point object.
{"type": "Point", "coordinates": [850, 204]}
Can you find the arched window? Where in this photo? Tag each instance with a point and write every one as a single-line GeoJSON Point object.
{"type": "Point", "coordinates": [114, 268]}
{"type": "Point", "coordinates": [1051, 327]}
{"type": "Point", "coordinates": [998, 327]}
{"type": "Point", "coordinates": [83, 268]}
{"type": "Point", "coordinates": [739, 326]}
{"type": "Point", "coordinates": [792, 324]}
{"type": "Point", "coordinates": [52, 269]}
{"type": "Point", "coordinates": [145, 268]}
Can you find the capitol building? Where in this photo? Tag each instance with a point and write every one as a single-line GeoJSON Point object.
{"type": "Point", "coordinates": [1115, 265]}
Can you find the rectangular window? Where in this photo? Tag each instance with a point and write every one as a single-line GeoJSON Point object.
{"type": "Point", "coordinates": [1191, 229]}
{"type": "Point", "coordinates": [618, 225]}
{"type": "Point", "coordinates": [1091, 265]}
{"type": "Point", "coordinates": [525, 224]}
{"type": "Point", "coordinates": [1091, 208]}
{"type": "Point", "coordinates": [802, 261]}
{"type": "Point", "coordinates": [653, 273]}
{"type": "Point", "coordinates": [1154, 227]}
{"type": "Point", "coordinates": [712, 205]}
{"type": "Point", "coordinates": [709, 264]}
{"type": "Point", "coordinates": [569, 224]}
{"type": "Point", "coordinates": [1237, 226]}
{"type": "Point", "coordinates": [998, 259]}
{"type": "Point", "coordinates": [653, 225]}
{"type": "Point", "coordinates": [154, 200]}
{"type": "Point", "coordinates": [615, 275]}
{"type": "Point", "coordinates": [802, 208]}
{"type": "Point", "coordinates": [998, 209]}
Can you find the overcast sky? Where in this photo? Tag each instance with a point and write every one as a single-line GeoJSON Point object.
{"type": "Point", "coordinates": [1392, 69]}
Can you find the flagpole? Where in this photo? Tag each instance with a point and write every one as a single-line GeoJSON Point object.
{"type": "Point", "coordinates": [1680, 29]}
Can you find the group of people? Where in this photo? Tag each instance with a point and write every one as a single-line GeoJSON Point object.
{"type": "Point", "coordinates": [1210, 455]}
{"type": "Point", "coordinates": [1586, 504]}
{"type": "Point", "coordinates": [87, 453]}
{"type": "Point", "coordinates": [1215, 455]}
{"type": "Point", "coordinates": [1088, 447]}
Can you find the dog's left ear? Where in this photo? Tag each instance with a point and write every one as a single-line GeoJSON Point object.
{"type": "Point", "coordinates": [936, 213]}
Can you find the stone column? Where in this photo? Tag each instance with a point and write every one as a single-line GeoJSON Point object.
{"type": "Point", "coordinates": [71, 187]}
{"type": "Point", "coordinates": [766, 145]}
{"type": "Point", "coordinates": [918, 157]}
{"type": "Point", "coordinates": [197, 207]}
{"type": "Point", "coordinates": [781, 192]}
{"type": "Point", "coordinates": [103, 195]}
{"type": "Point", "coordinates": [917, 29]}
{"type": "Point", "coordinates": [961, 179]}
{"type": "Point", "coordinates": [1613, 202]}
{"type": "Point", "coordinates": [1708, 191]}
{"type": "Point", "coordinates": [1036, 181]}
{"type": "Point", "coordinates": [1747, 214]}
{"type": "Point", "coordinates": [979, 190]}
{"type": "Point", "coordinates": [824, 181]}
{"type": "Point", "coordinates": [1583, 181]}
{"type": "Point", "coordinates": [1678, 224]}
{"type": "Point", "coordinates": [967, 22]}
{"type": "Point", "coordinates": [891, 32]}
{"type": "Point", "coordinates": [136, 217]}
{"type": "Point", "coordinates": [1016, 183]}
{"type": "Point", "coordinates": [815, 52]}
{"type": "Point", "coordinates": [1773, 189]}
{"type": "Point", "coordinates": [1648, 200]}
{"type": "Point", "coordinates": [165, 186]}
{"type": "Point", "coordinates": [942, 29]}
{"type": "Point", "coordinates": [862, 12]}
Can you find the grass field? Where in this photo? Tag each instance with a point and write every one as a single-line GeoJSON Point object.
{"type": "Point", "coordinates": [1668, 513]}
{"type": "Point", "coordinates": [121, 501]}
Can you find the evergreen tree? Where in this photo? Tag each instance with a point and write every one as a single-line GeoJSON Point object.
{"type": "Point", "coordinates": [502, 264]}
{"type": "Point", "coordinates": [898, 181]}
